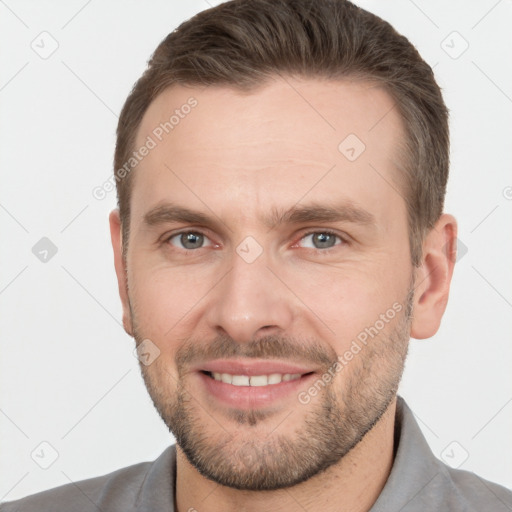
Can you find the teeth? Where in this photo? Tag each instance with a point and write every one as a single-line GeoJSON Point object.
{"type": "Point", "coordinates": [225, 377]}
{"type": "Point", "coordinates": [275, 378]}
{"type": "Point", "coordinates": [255, 380]}
{"type": "Point", "coordinates": [240, 380]}
{"type": "Point", "coordinates": [259, 380]}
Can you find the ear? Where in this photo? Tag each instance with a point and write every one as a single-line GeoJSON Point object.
{"type": "Point", "coordinates": [119, 263]}
{"type": "Point", "coordinates": [433, 277]}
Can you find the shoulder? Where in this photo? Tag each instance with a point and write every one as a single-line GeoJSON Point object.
{"type": "Point", "coordinates": [121, 490]}
{"type": "Point", "coordinates": [474, 492]}
{"type": "Point", "coordinates": [419, 481]}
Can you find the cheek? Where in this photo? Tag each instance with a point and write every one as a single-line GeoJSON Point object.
{"type": "Point", "coordinates": [164, 298]}
{"type": "Point", "coordinates": [347, 300]}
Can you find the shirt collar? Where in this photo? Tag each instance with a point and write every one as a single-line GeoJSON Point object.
{"type": "Point", "coordinates": [415, 472]}
{"type": "Point", "coordinates": [414, 468]}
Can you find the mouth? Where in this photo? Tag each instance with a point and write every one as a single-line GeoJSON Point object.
{"type": "Point", "coordinates": [253, 384]}
{"type": "Point", "coordinates": [254, 380]}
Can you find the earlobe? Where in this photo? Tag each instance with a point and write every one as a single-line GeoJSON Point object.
{"type": "Point", "coordinates": [433, 277]}
{"type": "Point", "coordinates": [119, 264]}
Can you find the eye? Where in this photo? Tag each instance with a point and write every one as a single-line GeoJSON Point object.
{"type": "Point", "coordinates": [189, 240]}
{"type": "Point", "coordinates": [320, 240]}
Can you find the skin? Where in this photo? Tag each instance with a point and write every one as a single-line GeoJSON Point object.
{"type": "Point", "coordinates": [277, 147]}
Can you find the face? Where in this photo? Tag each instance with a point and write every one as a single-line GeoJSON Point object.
{"type": "Point", "coordinates": [270, 266]}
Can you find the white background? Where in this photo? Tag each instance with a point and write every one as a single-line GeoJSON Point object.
{"type": "Point", "coordinates": [68, 375]}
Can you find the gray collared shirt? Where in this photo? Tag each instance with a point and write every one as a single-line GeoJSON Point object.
{"type": "Point", "coordinates": [418, 482]}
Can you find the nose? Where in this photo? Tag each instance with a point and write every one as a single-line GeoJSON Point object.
{"type": "Point", "coordinates": [250, 301]}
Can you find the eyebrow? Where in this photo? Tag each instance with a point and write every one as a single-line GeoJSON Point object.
{"type": "Point", "coordinates": [346, 212]}
{"type": "Point", "coordinates": [167, 213]}
{"type": "Point", "coordinates": [297, 214]}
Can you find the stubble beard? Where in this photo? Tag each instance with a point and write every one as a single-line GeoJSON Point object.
{"type": "Point", "coordinates": [331, 426]}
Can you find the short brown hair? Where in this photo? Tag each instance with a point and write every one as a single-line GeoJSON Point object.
{"type": "Point", "coordinates": [243, 43]}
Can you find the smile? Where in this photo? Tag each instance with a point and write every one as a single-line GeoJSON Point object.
{"type": "Point", "coordinates": [253, 380]}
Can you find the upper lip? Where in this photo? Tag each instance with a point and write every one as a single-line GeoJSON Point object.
{"type": "Point", "coordinates": [252, 367]}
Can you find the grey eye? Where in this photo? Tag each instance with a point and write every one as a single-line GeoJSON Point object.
{"type": "Point", "coordinates": [188, 240]}
{"type": "Point", "coordinates": [320, 240]}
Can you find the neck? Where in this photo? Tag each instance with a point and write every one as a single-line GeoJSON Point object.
{"type": "Point", "coordinates": [351, 485]}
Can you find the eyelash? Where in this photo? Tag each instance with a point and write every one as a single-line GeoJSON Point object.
{"type": "Point", "coordinates": [327, 250]}
{"type": "Point", "coordinates": [342, 239]}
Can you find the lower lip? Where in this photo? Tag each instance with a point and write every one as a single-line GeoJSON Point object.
{"type": "Point", "coordinates": [250, 397]}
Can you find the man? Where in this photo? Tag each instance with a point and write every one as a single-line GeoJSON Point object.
{"type": "Point", "coordinates": [281, 169]}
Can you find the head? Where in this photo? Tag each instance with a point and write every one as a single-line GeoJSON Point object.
{"type": "Point", "coordinates": [285, 217]}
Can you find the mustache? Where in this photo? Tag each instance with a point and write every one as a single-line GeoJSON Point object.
{"type": "Point", "coordinates": [266, 347]}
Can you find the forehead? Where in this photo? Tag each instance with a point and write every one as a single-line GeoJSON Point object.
{"type": "Point", "coordinates": [287, 139]}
